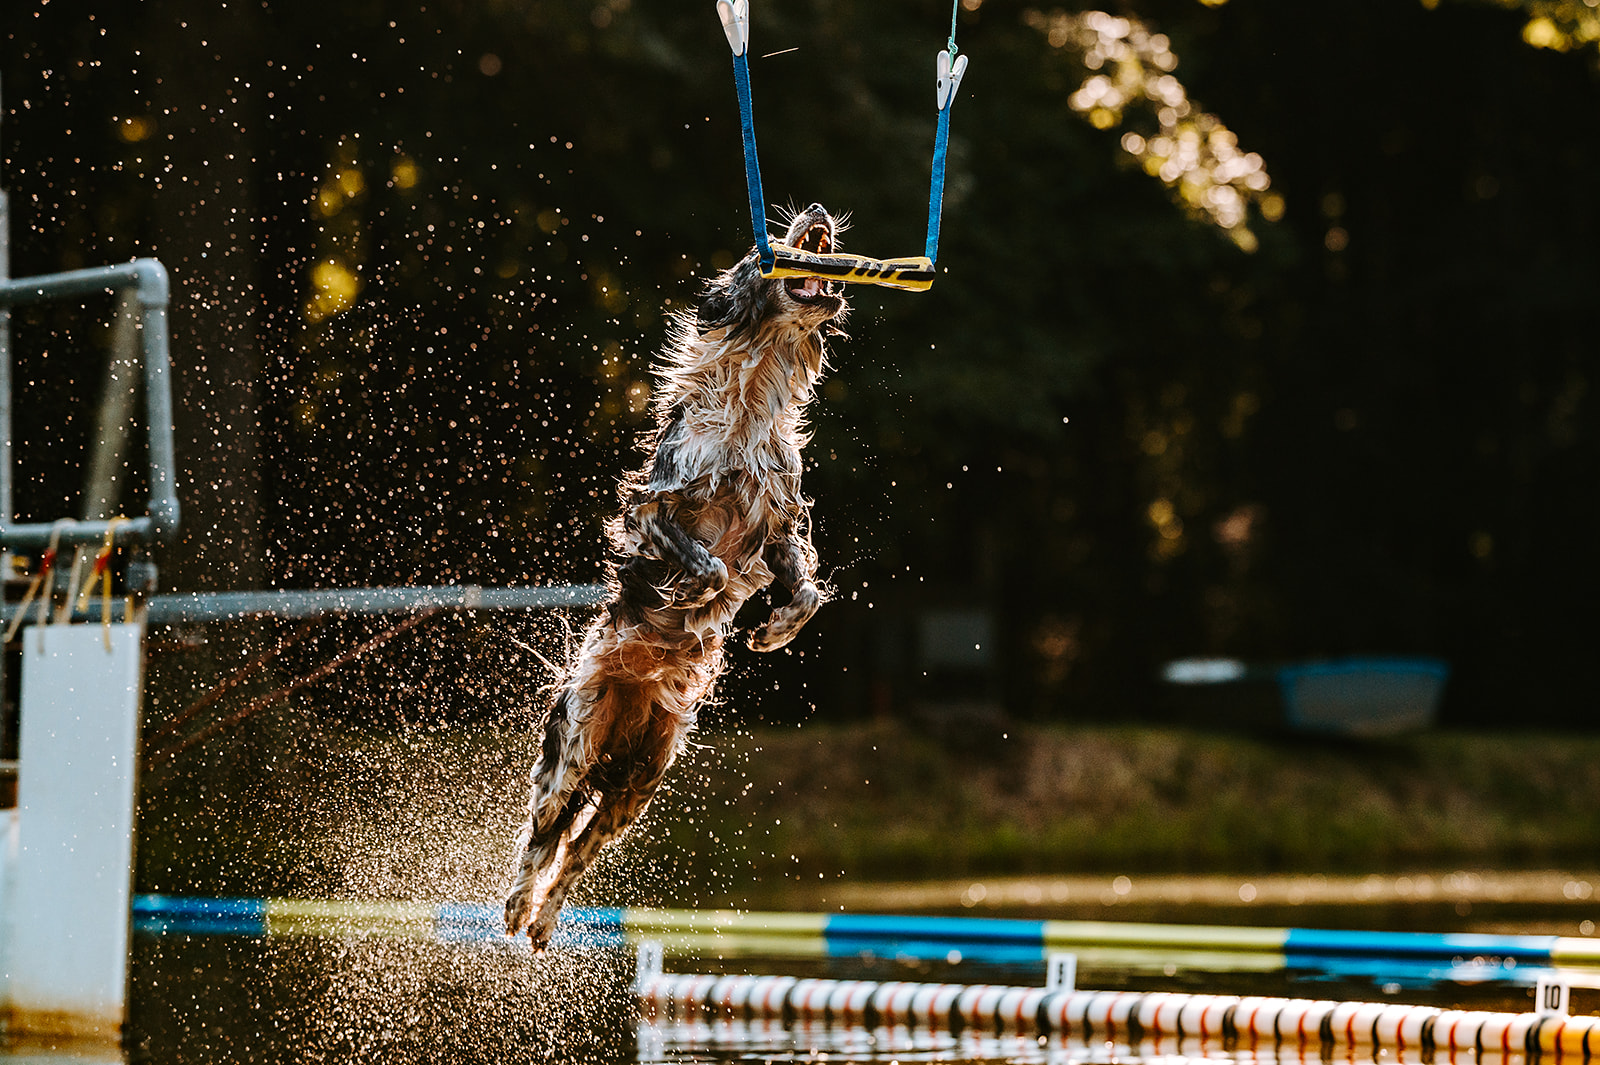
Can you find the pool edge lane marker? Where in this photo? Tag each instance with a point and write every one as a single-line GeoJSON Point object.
{"type": "Point", "coordinates": [839, 934]}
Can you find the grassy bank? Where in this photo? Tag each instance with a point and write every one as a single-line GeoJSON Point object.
{"type": "Point", "coordinates": [884, 803]}
{"type": "Point", "coordinates": [287, 809]}
{"type": "Point", "coordinates": [888, 802]}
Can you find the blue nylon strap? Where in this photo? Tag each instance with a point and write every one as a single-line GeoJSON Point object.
{"type": "Point", "coordinates": [941, 141]}
{"type": "Point", "coordinates": [752, 168]}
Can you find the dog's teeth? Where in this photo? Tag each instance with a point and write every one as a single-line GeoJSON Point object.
{"type": "Point", "coordinates": [816, 240]}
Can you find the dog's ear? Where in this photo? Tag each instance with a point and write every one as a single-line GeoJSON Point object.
{"type": "Point", "coordinates": [736, 293]}
{"type": "Point", "coordinates": [715, 309]}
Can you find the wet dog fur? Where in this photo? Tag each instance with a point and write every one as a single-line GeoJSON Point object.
{"type": "Point", "coordinates": [715, 516]}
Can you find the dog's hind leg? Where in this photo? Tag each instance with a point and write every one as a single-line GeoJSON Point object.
{"type": "Point", "coordinates": [793, 562]}
{"type": "Point", "coordinates": [564, 758]}
{"type": "Point", "coordinates": [616, 808]}
{"type": "Point", "coordinates": [612, 817]}
{"type": "Point", "coordinates": [542, 860]}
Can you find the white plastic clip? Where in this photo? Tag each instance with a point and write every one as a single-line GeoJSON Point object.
{"type": "Point", "coordinates": [735, 16]}
{"type": "Point", "coordinates": [947, 77]}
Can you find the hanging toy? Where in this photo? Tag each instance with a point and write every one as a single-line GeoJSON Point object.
{"type": "Point", "coordinates": [913, 273]}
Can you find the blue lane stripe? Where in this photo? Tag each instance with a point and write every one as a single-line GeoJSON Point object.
{"type": "Point", "coordinates": [469, 922]}
{"type": "Point", "coordinates": [582, 926]}
{"type": "Point", "coordinates": [986, 952]}
{"type": "Point", "coordinates": [1418, 944]}
{"type": "Point", "coordinates": [454, 922]}
{"type": "Point", "coordinates": [194, 906]}
{"type": "Point", "coordinates": [848, 927]}
{"type": "Point", "coordinates": [1413, 972]}
{"type": "Point", "coordinates": [200, 916]}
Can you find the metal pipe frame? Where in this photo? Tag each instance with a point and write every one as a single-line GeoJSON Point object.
{"type": "Point", "coordinates": [176, 608]}
{"type": "Point", "coordinates": [289, 603]}
{"type": "Point", "coordinates": [147, 279]}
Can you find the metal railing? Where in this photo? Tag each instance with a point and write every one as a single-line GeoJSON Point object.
{"type": "Point", "coordinates": [181, 607]}
{"type": "Point", "coordinates": [146, 280]}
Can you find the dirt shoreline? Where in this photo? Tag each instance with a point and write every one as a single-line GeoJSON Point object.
{"type": "Point", "coordinates": [1547, 887]}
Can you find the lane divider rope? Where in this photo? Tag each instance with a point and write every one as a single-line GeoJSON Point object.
{"type": "Point", "coordinates": [1128, 1016]}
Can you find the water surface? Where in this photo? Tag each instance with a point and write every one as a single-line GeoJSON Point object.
{"type": "Point", "coordinates": [203, 999]}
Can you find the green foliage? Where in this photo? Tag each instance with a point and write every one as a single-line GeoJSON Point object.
{"type": "Point", "coordinates": [442, 243]}
{"type": "Point", "coordinates": [1560, 25]}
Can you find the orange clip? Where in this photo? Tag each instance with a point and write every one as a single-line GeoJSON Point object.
{"type": "Point", "coordinates": [41, 580]}
{"type": "Point", "coordinates": [102, 572]}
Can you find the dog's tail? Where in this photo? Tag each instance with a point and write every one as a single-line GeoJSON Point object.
{"type": "Point", "coordinates": [614, 728]}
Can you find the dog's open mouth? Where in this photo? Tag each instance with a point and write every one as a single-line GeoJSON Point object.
{"type": "Point", "coordinates": [818, 239]}
{"type": "Point", "coordinates": [810, 289]}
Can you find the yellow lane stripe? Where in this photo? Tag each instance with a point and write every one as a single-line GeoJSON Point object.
{"type": "Point", "coordinates": [322, 917]}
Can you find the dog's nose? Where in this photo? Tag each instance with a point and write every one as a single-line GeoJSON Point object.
{"type": "Point", "coordinates": [816, 208]}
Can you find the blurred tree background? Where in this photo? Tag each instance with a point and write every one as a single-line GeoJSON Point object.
{"type": "Point", "coordinates": [1267, 328]}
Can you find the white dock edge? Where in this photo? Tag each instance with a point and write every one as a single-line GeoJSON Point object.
{"type": "Point", "coordinates": [67, 862]}
{"type": "Point", "coordinates": [9, 822]}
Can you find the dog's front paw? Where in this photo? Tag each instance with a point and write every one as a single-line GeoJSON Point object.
{"type": "Point", "coordinates": [771, 636]}
{"type": "Point", "coordinates": [787, 620]}
{"type": "Point", "coordinates": [698, 589]}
